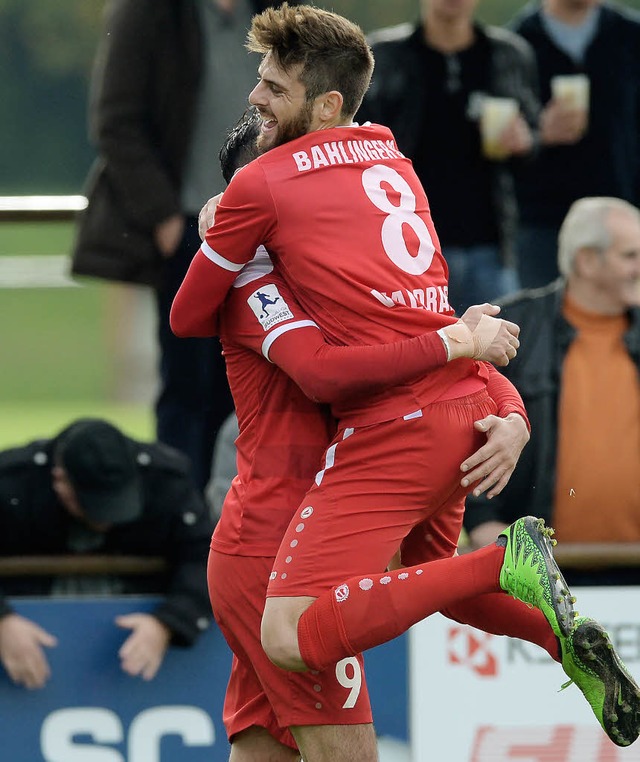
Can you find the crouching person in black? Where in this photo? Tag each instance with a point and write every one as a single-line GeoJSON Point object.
{"type": "Point", "coordinates": [91, 490]}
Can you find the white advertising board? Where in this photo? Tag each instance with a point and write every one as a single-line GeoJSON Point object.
{"type": "Point", "coordinates": [477, 697]}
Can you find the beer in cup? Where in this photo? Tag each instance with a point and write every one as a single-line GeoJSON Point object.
{"type": "Point", "coordinates": [496, 115]}
{"type": "Point", "coordinates": [572, 90]}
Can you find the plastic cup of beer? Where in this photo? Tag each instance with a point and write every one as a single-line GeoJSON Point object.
{"type": "Point", "coordinates": [496, 115]}
{"type": "Point", "coordinates": [572, 90]}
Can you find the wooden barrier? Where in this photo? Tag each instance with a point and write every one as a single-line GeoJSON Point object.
{"type": "Point", "coordinates": [592, 555]}
{"type": "Point", "coordinates": [577, 555]}
{"type": "Point", "coordinates": [30, 566]}
{"type": "Point", "coordinates": [585, 555]}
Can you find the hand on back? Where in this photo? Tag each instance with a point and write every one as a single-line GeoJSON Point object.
{"type": "Point", "coordinates": [207, 215]}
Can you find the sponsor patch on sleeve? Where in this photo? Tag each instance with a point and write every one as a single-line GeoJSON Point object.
{"type": "Point", "coordinates": [269, 306]}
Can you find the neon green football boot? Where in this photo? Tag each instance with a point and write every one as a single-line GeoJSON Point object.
{"type": "Point", "coordinates": [591, 662]}
{"type": "Point", "coordinates": [529, 572]}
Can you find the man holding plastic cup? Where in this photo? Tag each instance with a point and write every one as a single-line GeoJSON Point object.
{"type": "Point", "coordinates": [588, 56]}
{"type": "Point", "coordinates": [442, 85]}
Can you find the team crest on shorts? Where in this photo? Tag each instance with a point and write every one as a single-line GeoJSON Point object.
{"type": "Point", "coordinates": [342, 593]}
{"type": "Point", "coordinates": [269, 306]}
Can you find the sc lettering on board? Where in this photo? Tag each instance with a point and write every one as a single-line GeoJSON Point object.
{"type": "Point", "coordinates": [87, 734]}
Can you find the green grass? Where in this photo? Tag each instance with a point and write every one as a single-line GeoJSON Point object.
{"type": "Point", "coordinates": [60, 348]}
{"type": "Point", "coordinates": [53, 343]}
{"type": "Point", "coordinates": [35, 238]}
{"type": "Point", "coordinates": [23, 422]}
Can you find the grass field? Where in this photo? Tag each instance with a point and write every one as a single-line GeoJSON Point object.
{"type": "Point", "coordinates": [60, 352]}
{"type": "Point", "coordinates": [21, 422]}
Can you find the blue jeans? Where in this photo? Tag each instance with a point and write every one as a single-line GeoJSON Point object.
{"type": "Point", "coordinates": [537, 248]}
{"type": "Point", "coordinates": [194, 398]}
{"type": "Point", "coordinates": [477, 275]}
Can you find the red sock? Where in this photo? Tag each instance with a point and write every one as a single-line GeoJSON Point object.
{"type": "Point", "coordinates": [501, 614]}
{"type": "Point", "coordinates": [367, 611]}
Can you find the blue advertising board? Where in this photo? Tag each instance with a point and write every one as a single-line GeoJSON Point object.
{"type": "Point", "coordinates": [91, 711]}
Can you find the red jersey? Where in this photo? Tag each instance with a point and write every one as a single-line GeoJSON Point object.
{"type": "Point", "coordinates": [345, 217]}
{"type": "Point", "coordinates": [283, 434]}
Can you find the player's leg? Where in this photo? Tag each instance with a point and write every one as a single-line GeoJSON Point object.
{"type": "Point", "coordinates": [328, 743]}
{"type": "Point", "coordinates": [496, 613]}
{"type": "Point", "coordinates": [263, 701]}
{"type": "Point", "coordinates": [350, 524]}
{"type": "Point", "coordinates": [586, 654]}
{"type": "Point", "coordinates": [237, 586]}
{"type": "Point", "coordinates": [500, 614]}
{"type": "Point", "coordinates": [256, 744]}
{"type": "Point", "coordinates": [279, 630]}
{"type": "Point", "coordinates": [390, 603]}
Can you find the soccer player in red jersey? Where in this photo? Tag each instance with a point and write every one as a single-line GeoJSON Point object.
{"type": "Point", "coordinates": [283, 435]}
{"type": "Point", "coordinates": [346, 220]}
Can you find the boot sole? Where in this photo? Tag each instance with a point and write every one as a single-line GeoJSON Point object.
{"type": "Point", "coordinates": [621, 709]}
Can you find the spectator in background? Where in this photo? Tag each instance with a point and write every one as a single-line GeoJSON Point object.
{"type": "Point", "coordinates": [592, 152]}
{"type": "Point", "coordinates": [223, 465]}
{"type": "Point", "coordinates": [92, 490]}
{"type": "Point", "coordinates": [167, 75]}
{"type": "Point", "coordinates": [577, 370]}
{"type": "Point", "coordinates": [429, 84]}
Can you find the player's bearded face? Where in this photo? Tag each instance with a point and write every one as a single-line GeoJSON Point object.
{"type": "Point", "coordinates": [288, 129]}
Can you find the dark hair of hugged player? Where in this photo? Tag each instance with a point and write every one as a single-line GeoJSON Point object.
{"type": "Point", "coordinates": [240, 146]}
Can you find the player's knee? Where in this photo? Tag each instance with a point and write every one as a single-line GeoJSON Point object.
{"type": "Point", "coordinates": [280, 642]}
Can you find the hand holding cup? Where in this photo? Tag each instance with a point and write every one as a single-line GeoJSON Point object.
{"type": "Point", "coordinates": [496, 116]}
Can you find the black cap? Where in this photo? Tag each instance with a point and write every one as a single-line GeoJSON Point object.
{"type": "Point", "coordinates": [100, 463]}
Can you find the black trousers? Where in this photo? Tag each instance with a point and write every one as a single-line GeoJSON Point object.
{"type": "Point", "coordinates": [194, 397]}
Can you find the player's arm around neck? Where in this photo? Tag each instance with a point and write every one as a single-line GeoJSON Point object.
{"type": "Point", "coordinates": [244, 218]}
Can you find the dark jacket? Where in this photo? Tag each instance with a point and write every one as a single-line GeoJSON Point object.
{"type": "Point", "coordinates": [141, 111]}
{"type": "Point", "coordinates": [175, 525]}
{"type": "Point", "coordinates": [536, 373]}
{"type": "Point", "coordinates": [399, 97]}
{"type": "Point", "coordinates": [606, 162]}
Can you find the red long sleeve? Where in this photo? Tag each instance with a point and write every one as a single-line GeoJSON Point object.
{"type": "Point", "coordinates": [195, 306]}
{"type": "Point", "coordinates": [505, 394]}
{"type": "Point", "coordinates": [330, 374]}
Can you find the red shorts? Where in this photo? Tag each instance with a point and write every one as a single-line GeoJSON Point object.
{"type": "Point", "coordinates": [381, 484]}
{"type": "Point", "coordinates": [259, 693]}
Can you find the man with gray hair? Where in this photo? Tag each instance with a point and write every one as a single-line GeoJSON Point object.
{"type": "Point", "coordinates": [577, 371]}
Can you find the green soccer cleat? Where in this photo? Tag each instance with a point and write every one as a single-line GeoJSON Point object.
{"type": "Point", "coordinates": [529, 572]}
{"type": "Point", "coordinates": [591, 662]}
